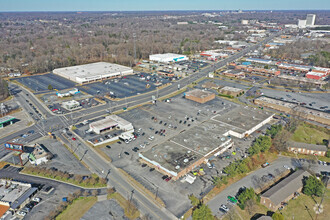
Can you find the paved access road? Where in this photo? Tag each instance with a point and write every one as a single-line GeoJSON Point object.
{"type": "Point", "coordinates": [54, 123]}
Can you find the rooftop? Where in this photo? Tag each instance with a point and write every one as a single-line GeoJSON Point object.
{"type": "Point", "coordinates": [10, 191]}
{"type": "Point", "coordinates": [199, 93]}
{"type": "Point", "coordinates": [286, 187]}
{"type": "Point", "coordinates": [91, 70]}
{"type": "Point", "coordinates": [242, 119]}
{"type": "Point", "coordinates": [188, 147]}
{"type": "Point", "coordinates": [314, 147]}
{"type": "Point", "coordinates": [231, 89]}
{"type": "Point", "coordinates": [294, 106]}
{"type": "Point", "coordinates": [6, 118]}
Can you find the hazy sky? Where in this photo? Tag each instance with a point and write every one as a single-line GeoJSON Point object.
{"type": "Point", "coordinates": [140, 5]}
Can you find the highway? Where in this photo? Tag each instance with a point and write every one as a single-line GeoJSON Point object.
{"type": "Point", "coordinates": [49, 122]}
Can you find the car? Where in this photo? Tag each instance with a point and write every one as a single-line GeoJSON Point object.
{"type": "Point", "coordinates": [142, 145]}
{"type": "Point", "coordinates": [224, 208]}
{"type": "Point", "coordinates": [144, 165]}
{"type": "Point", "coordinates": [36, 199]}
{"type": "Point", "coordinates": [118, 142]}
{"type": "Point", "coordinates": [151, 169]}
{"type": "Point", "coordinates": [164, 177]}
{"type": "Point", "coordinates": [209, 165]}
{"type": "Point", "coordinates": [160, 122]}
{"type": "Point", "coordinates": [168, 179]}
{"type": "Point", "coordinates": [5, 166]}
{"type": "Point", "coordinates": [108, 146]}
{"type": "Point", "coordinates": [21, 213]}
{"type": "Point", "coordinates": [232, 199]}
{"type": "Point", "coordinates": [73, 138]}
{"type": "Point", "coordinates": [34, 203]}
{"type": "Point", "coordinates": [31, 132]}
{"type": "Point", "coordinates": [265, 165]}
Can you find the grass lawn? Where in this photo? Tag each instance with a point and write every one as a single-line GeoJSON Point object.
{"type": "Point", "coordinates": [124, 204]}
{"type": "Point", "coordinates": [310, 134]}
{"type": "Point", "coordinates": [238, 213]}
{"type": "Point", "coordinates": [297, 208]}
{"type": "Point", "coordinates": [78, 208]}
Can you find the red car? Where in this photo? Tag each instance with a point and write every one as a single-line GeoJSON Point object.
{"type": "Point", "coordinates": [55, 109]}
{"type": "Point", "coordinates": [168, 179]}
{"type": "Point", "coordinates": [74, 139]}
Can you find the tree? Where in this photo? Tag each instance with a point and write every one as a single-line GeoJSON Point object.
{"type": "Point", "coordinates": [328, 154]}
{"type": "Point", "coordinates": [313, 186]}
{"type": "Point", "coordinates": [274, 129]}
{"type": "Point", "coordinates": [95, 192]}
{"type": "Point", "coordinates": [281, 140]}
{"type": "Point", "coordinates": [277, 216]}
{"type": "Point", "coordinates": [50, 87]}
{"type": "Point", "coordinates": [244, 196]}
{"type": "Point", "coordinates": [194, 200]}
{"type": "Point", "coordinates": [203, 212]}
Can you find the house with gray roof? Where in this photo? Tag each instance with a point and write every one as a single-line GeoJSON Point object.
{"type": "Point", "coordinates": [284, 190]}
{"type": "Point", "coordinates": [303, 148]}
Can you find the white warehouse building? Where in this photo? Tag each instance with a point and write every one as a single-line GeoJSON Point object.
{"type": "Point", "coordinates": [167, 57]}
{"type": "Point", "coordinates": [109, 123]}
{"type": "Point", "coordinates": [92, 72]}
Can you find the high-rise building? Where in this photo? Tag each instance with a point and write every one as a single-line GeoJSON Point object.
{"type": "Point", "coordinates": [310, 20]}
{"type": "Point", "coordinates": [302, 23]}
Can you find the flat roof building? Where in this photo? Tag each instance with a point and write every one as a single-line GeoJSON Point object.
{"type": "Point", "coordinates": [185, 152]}
{"type": "Point", "coordinates": [93, 72]}
{"type": "Point", "coordinates": [284, 190]}
{"type": "Point", "coordinates": [200, 96]}
{"type": "Point", "coordinates": [15, 194]}
{"type": "Point", "coordinates": [295, 109]}
{"type": "Point", "coordinates": [71, 105]}
{"type": "Point", "coordinates": [167, 57]}
{"type": "Point", "coordinates": [6, 120]}
{"type": "Point", "coordinates": [227, 90]}
{"type": "Point", "coordinates": [111, 122]}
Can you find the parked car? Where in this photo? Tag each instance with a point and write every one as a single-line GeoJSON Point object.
{"type": "Point", "coordinates": [168, 179]}
{"type": "Point", "coordinates": [36, 199]}
{"type": "Point", "coordinates": [108, 146]}
{"type": "Point", "coordinates": [265, 165]}
{"type": "Point", "coordinates": [21, 213]}
{"type": "Point", "coordinates": [232, 199]}
{"type": "Point", "coordinates": [126, 153]}
{"type": "Point", "coordinates": [224, 208]}
{"type": "Point", "coordinates": [74, 138]}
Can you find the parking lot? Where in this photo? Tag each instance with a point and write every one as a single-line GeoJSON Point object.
{"type": "Point", "coordinates": [124, 87]}
{"type": "Point", "coordinates": [40, 83]}
{"type": "Point", "coordinates": [156, 124]}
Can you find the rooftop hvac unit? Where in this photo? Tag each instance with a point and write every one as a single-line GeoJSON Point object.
{"type": "Point", "coordinates": [177, 167]}
{"type": "Point", "coordinates": [186, 160]}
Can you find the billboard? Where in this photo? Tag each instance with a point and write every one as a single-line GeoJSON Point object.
{"type": "Point", "coordinates": [14, 147]}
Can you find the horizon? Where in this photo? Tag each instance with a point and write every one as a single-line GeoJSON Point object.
{"type": "Point", "coordinates": [149, 5]}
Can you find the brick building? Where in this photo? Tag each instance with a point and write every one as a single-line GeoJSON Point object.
{"type": "Point", "coordinates": [303, 148]}
{"type": "Point", "coordinates": [200, 96]}
{"type": "Point", "coordinates": [284, 190]}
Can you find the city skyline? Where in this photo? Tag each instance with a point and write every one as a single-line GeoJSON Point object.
{"type": "Point", "coordinates": [148, 5]}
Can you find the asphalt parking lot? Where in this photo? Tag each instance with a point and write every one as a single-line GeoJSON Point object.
{"type": "Point", "coordinates": [124, 87]}
{"type": "Point", "coordinates": [105, 210]}
{"type": "Point", "coordinates": [39, 83]}
{"type": "Point", "coordinates": [63, 159]}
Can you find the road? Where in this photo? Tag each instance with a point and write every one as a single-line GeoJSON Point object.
{"type": "Point", "coordinates": [49, 122]}
{"type": "Point", "coordinates": [247, 181]}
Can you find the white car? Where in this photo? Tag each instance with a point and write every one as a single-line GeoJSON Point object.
{"type": "Point", "coordinates": [142, 145]}
{"type": "Point", "coordinates": [36, 199]}
{"type": "Point", "coordinates": [224, 208]}
{"type": "Point", "coordinates": [21, 213]}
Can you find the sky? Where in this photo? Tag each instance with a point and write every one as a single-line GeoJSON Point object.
{"type": "Point", "coordinates": [150, 5]}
